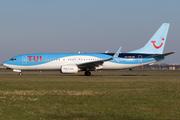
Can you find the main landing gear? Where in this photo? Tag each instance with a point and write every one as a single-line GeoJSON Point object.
{"type": "Point", "coordinates": [87, 73]}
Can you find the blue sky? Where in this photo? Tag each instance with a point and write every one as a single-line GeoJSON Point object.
{"type": "Point", "coordinates": [58, 26]}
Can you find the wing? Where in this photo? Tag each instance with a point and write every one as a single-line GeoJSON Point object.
{"type": "Point", "coordinates": [92, 64]}
{"type": "Point", "coordinates": [98, 63]}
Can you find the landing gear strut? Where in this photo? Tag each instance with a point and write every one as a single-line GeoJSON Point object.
{"type": "Point", "coordinates": [20, 74]}
{"type": "Point", "coordinates": [87, 73]}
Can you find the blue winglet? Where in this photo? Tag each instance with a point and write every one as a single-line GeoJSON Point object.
{"type": "Point", "coordinates": [115, 56]}
{"type": "Point", "coordinates": [117, 53]}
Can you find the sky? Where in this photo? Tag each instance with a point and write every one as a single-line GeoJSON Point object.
{"type": "Point", "coordinates": [89, 26]}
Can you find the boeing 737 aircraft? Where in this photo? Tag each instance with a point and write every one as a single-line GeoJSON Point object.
{"type": "Point", "coordinates": [73, 62]}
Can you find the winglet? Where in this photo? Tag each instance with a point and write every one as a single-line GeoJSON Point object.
{"type": "Point", "coordinates": [115, 56]}
{"type": "Point", "coordinates": [107, 51]}
{"type": "Point", "coordinates": [117, 53]}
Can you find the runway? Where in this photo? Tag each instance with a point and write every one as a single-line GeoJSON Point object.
{"type": "Point", "coordinates": [110, 73]}
{"type": "Point", "coordinates": [60, 76]}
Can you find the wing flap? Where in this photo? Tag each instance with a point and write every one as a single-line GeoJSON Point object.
{"type": "Point", "coordinates": [92, 64]}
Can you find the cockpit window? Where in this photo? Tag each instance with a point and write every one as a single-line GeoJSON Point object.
{"type": "Point", "coordinates": [13, 59]}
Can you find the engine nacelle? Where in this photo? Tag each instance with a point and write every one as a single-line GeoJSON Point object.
{"type": "Point", "coordinates": [69, 69]}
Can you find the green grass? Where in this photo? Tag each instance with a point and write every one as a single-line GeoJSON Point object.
{"type": "Point", "coordinates": [51, 98]}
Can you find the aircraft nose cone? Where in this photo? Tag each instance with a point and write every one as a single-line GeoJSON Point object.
{"type": "Point", "coordinates": [4, 63]}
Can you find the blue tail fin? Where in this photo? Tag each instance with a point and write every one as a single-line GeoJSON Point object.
{"type": "Point", "coordinates": [156, 44]}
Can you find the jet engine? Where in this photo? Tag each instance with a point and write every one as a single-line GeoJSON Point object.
{"type": "Point", "coordinates": [69, 69]}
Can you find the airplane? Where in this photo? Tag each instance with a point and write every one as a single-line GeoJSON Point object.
{"type": "Point", "coordinates": [70, 63]}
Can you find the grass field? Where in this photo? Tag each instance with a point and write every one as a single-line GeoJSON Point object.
{"type": "Point", "coordinates": [124, 95]}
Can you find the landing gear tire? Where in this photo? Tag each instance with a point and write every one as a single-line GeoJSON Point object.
{"type": "Point", "coordinates": [20, 74]}
{"type": "Point", "coordinates": [87, 73]}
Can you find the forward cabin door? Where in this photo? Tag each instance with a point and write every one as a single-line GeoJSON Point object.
{"type": "Point", "coordinates": [24, 59]}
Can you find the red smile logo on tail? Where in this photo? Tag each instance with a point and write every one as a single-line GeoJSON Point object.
{"type": "Point", "coordinates": [157, 47]}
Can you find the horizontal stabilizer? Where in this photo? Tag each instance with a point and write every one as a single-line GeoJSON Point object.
{"type": "Point", "coordinates": [161, 55]}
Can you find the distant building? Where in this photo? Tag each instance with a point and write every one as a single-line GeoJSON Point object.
{"type": "Point", "coordinates": [172, 68]}
{"type": "Point", "coordinates": [161, 66]}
